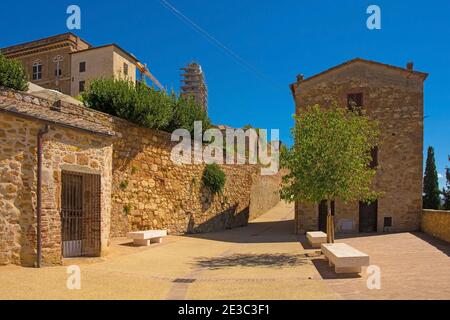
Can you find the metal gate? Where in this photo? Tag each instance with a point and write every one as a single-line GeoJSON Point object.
{"type": "Point", "coordinates": [80, 214]}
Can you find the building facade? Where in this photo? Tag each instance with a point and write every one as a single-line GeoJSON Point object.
{"type": "Point", "coordinates": [105, 62]}
{"type": "Point", "coordinates": [66, 63]}
{"type": "Point", "coordinates": [47, 61]}
{"type": "Point", "coordinates": [393, 96]}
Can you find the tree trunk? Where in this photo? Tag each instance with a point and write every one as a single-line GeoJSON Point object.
{"type": "Point", "coordinates": [330, 223]}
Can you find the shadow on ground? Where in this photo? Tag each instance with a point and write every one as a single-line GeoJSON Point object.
{"type": "Point", "coordinates": [279, 260]}
{"type": "Point", "coordinates": [327, 272]}
{"type": "Point", "coordinates": [441, 245]}
{"type": "Point", "coordinates": [254, 232]}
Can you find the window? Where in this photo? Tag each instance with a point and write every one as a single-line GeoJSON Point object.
{"type": "Point", "coordinates": [37, 71]}
{"type": "Point", "coordinates": [81, 86]}
{"type": "Point", "coordinates": [58, 72]}
{"type": "Point", "coordinates": [125, 69]}
{"type": "Point", "coordinates": [82, 66]}
{"type": "Point", "coordinates": [354, 101]}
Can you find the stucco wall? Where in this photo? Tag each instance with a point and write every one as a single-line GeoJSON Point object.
{"type": "Point", "coordinates": [395, 99]}
{"type": "Point", "coordinates": [264, 194]}
{"type": "Point", "coordinates": [436, 223]}
{"type": "Point", "coordinates": [102, 62]}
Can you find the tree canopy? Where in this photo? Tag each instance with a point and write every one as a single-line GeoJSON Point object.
{"type": "Point", "coordinates": [12, 74]}
{"type": "Point", "coordinates": [331, 156]}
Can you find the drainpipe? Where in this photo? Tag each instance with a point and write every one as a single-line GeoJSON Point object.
{"type": "Point", "coordinates": [40, 138]}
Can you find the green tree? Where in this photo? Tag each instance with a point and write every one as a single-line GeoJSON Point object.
{"type": "Point", "coordinates": [330, 158]}
{"type": "Point", "coordinates": [12, 74]}
{"type": "Point", "coordinates": [446, 192]}
{"type": "Point", "coordinates": [431, 192]}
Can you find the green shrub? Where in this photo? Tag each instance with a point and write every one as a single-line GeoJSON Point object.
{"type": "Point", "coordinates": [143, 105]}
{"type": "Point", "coordinates": [123, 185]}
{"type": "Point", "coordinates": [127, 209]}
{"type": "Point", "coordinates": [12, 74]}
{"type": "Point", "coordinates": [186, 112]}
{"type": "Point", "coordinates": [213, 178]}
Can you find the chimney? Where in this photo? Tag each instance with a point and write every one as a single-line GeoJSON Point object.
{"type": "Point", "coordinates": [410, 66]}
{"type": "Point", "coordinates": [300, 78]}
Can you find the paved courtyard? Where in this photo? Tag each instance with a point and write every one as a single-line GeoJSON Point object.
{"type": "Point", "coordinates": [262, 261]}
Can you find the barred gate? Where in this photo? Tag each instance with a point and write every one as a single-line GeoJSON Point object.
{"type": "Point", "coordinates": [80, 214]}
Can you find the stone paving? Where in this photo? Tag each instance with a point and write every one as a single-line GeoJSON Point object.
{"type": "Point", "coordinates": [262, 261]}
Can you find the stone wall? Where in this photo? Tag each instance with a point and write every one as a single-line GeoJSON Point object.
{"type": "Point", "coordinates": [140, 187]}
{"type": "Point", "coordinates": [394, 97]}
{"type": "Point", "coordinates": [265, 194]}
{"type": "Point", "coordinates": [436, 223]}
{"type": "Point", "coordinates": [150, 192]}
{"type": "Point", "coordinates": [63, 149]}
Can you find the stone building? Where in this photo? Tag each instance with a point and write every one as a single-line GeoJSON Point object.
{"type": "Point", "coordinates": [101, 177]}
{"type": "Point", "coordinates": [393, 96]}
{"type": "Point", "coordinates": [75, 174]}
{"type": "Point", "coordinates": [47, 61]}
{"type": "Point", "coordinates": [66, 63]}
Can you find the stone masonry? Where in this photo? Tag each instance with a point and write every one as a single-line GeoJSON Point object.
{"type": "Point", "coordinates": [394, 97]}
{"type": "Point", "coordinates": [150, 192]}
{"type": "Point", "coordinates": [140, 187]}
{"type": "Point", "coordinates": [64, 149]}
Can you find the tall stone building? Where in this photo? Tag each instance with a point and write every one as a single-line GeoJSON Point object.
{"type": "Point", "coordinates": [47, 61]}
{"type": "Point", "coordinates": [393, 96]}
{"type": "Point", "coordinates": [194, 85]}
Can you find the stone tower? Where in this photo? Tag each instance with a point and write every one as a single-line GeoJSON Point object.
{"type": "Point", "coordinates": [194, 85]}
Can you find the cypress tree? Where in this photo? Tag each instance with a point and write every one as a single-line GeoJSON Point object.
{"type": "Point", "coordinates": [446, 191]}
{"type": "Point", "coordinates": [431, 192]}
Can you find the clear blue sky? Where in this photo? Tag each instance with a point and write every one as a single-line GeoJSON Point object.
{"type": "Point", "coordinates": [279, 38]}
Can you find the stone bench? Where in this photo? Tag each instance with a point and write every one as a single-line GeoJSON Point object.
{"type": "Point", "coordinates": [344, 258]}
{"type": "Point", "coordinates": [144, 238]}
{"type": "Point", "coordinates": [316, 238]}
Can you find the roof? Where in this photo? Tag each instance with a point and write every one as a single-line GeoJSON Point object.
{"type": "Point", "coordinates": [51, 95]}
{"type": "Point", "coordinates": [108, 45]}
{"type": "Point", "coordinates": [27, 106]}
{"type": "Point", "coordinates": [423, 75]}
{"type": "Point", "coordinates": [42, 42]}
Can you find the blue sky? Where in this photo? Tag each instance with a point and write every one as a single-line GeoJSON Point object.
{"type": "Point", "coordinates": [280, 39]}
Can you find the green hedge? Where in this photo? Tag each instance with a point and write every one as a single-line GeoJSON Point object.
{"type": "Point", "coordinates": [143, 105]}
{"type": "Point", "coordinates": [12, 74]}
{"type": "Point", "coordinates": [213, 178]}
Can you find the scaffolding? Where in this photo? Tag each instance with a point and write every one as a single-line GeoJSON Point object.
{"type": "Point", "coordinates": [194, 85]}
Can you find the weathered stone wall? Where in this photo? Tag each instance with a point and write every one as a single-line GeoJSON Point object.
{"type": "Point", "coordinates": [63, 149]}
{"type": "Point", "coordinates": [150, 192]}
{"type": "Point", "coordinates": [395, 99]}
{"type": "Point", "coordinates": [436, 223]}
{"type": "Point", "coordinates": [140, 186]}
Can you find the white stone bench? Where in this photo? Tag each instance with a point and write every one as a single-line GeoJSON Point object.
{"type": "Point", "coordinates": [344, 258]}
{"type": "Point", "coordinates": [316, 238]}
{"type": "Point", "coordinates": [144, 238]}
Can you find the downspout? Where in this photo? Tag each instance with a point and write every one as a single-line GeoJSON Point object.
{"type": "Point", "coordinates": [40, 138]}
